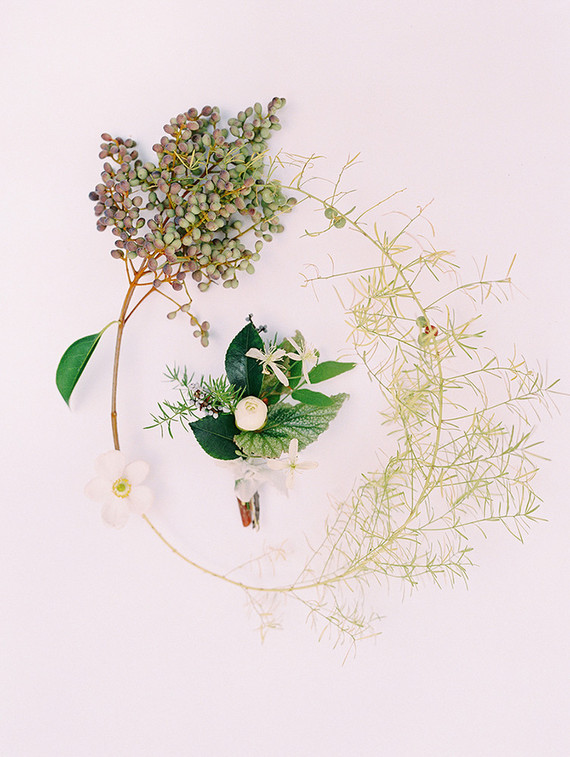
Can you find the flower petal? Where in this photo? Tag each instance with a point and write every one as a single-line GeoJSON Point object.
{"type": "Point", "coordinates": [309, 465]}
{"type": "Point", "coordinates": [256, 353]}
{"type": "Point", "coordinates": [137, 472]}
{"type": "Point", "coordinates": [115, 511]}
{"type": "Point", "coordinates": [293, 448]}
{"type": "Point", "coordinates": [277, 464]}
{"type": "Point", "coordinates": [279, 373]}
{"type": "Point", "coordinates": [140, 499]}
{"type": "Point", "coordinates": [98, 489]}
{"type": "Point", "coordinates": [297, 347]}
{"type": "Point", "coordinates": [110, 465]}
{"type": "Point", "coordinates": [245, 488]}
{"type": "Point", "coordinates": [290, 478]}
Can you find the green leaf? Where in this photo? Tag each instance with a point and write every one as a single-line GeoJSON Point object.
{"type": "Point", "coordinates": [295, 367]}
{"type": "Point", "coordinates": [295, 373]}
{"type": "Point", "coordinates": [285, 422]}
{"type": "Point", "coordinates": [245, 372]}
{"type": "Point", "coordinates": [312, 398]}
{"type": "Point", "coordinates": [328, 369]}
{"type": "Point", "coordinates": [215, 436]}
{"type": "Point", "coordinates": [73, 362]}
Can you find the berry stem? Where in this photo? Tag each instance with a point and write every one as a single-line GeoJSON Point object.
{"type": "Point", "coordinates": [121, 321]}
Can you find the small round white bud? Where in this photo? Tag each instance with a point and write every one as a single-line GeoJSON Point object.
{"type": "Point", "coordinates": [250, 414]}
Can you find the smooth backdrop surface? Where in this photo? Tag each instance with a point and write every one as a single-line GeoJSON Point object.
{"type": "Point", "coordinates": [108, 644]}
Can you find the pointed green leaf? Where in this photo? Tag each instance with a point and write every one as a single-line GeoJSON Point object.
{"type": "Point", "coordinates": [295, 373]}
{"type": "Point", "coordinates": [245, 372]}
{"type": "Point", "coordinates": [73, 362]}
{"type": "Point", "coordinates": [328, 369]}
{"type": "Point", "coordinates": [312, 398]}
{"type": "Point", "coordinates": [215, 435]}
{"type": "Point", "coordinates": [285, 422]}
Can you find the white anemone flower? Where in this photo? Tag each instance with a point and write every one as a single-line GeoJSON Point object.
{"type": "Point", "coordinates": [291, 463]}
{"type": "Point", "coordinates": [269, 360]}
{"type": "Point", "coordinates": [117, 486]}
{"type": "Point", "coordinates": [306, 353]}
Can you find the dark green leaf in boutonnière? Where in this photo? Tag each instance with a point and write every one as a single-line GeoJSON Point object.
{"type": "Point", "coordinates": [216, 436]}
{"type": "Point", "coordinates": [245, 372]}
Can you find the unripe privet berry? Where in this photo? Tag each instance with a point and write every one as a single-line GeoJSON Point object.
{"type": "Point", "coordinates": [194, 204]}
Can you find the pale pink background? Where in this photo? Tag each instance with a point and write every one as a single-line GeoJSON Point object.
{"type": "Point", "coordinates": [108, 644]}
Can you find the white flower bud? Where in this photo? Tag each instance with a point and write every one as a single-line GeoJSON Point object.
{"type": "Point", "coordinates": [251, 414]}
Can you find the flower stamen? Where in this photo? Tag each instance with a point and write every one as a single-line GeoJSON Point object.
{"type": "Point", "coordinates": [122, 487]}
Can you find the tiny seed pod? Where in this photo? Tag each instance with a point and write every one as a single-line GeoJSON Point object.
{"type": "Point", "coordinates": [431, 330]}
{"type": "Point", "coordinates": [421, 321]}
{"type": "Point", "coordinates": [171, 315]}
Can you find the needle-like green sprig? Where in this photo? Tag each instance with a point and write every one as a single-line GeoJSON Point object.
{"type": "Point", "coordinates": [209, 395]}
{"type": "Point", "coordinates": [460, 452]}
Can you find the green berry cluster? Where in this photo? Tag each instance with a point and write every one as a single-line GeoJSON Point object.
{"type": "Point", "coordinates": [205, 208]}
{"type": "Point", "coordinates": [333, 215]}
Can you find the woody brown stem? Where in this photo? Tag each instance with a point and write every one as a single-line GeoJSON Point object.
{"type": "Point", "coordinates": [121, 321]}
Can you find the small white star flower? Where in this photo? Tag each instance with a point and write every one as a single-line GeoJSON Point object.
{"type": "Point", "coordinates": [291, 463]}
{"type": "Point", "coordinates": [117, 486]}
{"type": "Point", "coordinates": [306, 353]}
{"type": "Point", "coordinates": [269, 360]}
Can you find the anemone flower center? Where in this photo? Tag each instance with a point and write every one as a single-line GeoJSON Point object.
{"type": "Point", "coordinates": [122, 487]}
